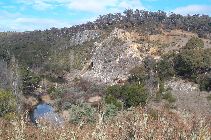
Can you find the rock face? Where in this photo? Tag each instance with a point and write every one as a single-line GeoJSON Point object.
{"type": "Point", "coordinates": [115, 56]}
{"type": "Point", "coordinates": [189, 97]}
{"type": "Point", "coordinates": [84, 36]}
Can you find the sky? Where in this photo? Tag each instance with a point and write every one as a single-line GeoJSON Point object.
{"type": "Point", "coordinates": [28, 15]}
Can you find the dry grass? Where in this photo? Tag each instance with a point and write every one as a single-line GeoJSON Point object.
{"type": "Point", "coordinates": [134, 124]}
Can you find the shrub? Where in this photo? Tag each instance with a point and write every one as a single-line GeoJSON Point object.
{"type": "Point", "coordinates": [51, 89]}
{"type": "Point", "coordinates": [153, 113]}
{"type": "Point", "coordinates": [134, 95]}
{"type": "Point", "coordinates": [164, 93]}
{"type": "Point", "coordinates": [169, 97]}
{"type": "Point", "coordinates": [110, 99]}
{"type": "Point", "coordinates": [209, 97]}
{"type": "Point", "coordinates": [165, 69]}
{"type": "Point", "coordinates": [7, 103]}
{"type": "Point", "coordinates": [57, 93]}
{"type": "Point", "coordinates": [82, 113]}
{"type": "Point", "coordinates": [111, 110]}
{"type": "Point", "coordinates": [194, 43]}
{"type": "Point", "coordinates": [190, 63]}
{"type": "Point", "coordinates": [30, 81]}
{"type": "Point", "coordinates": [183, 65]}
{"type": "Point", "coordinates": [138, 74]}
{"type": "Point", "coordinates": [130, 94]}
{"type": "Point", "coordinates": [55, 79]}
{"type": "Point", "coordinates": [205, 83]}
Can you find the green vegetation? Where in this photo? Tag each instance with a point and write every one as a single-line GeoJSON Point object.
{"type": "Point", "coordinates": [194, 43]}
{"type": "Point", "coordinates": [138, 74]}
{"type": "Point", "coordinates": [165, 69]}
{"type": "Point", "coordinates": [191, 62]}
{"type": "Point", "coordinates": [164, 94]}
{"type": "Point", "coordinates": [168, 97]}
{"type": "Point", "coordinates": [56, 93]}
{"type": "Point", "coordinates": [130, 95]}
{"type": "Point", "coordinates": [205, 82]}
{"type": "Point", "coordinates": [110, 99]}
{"type": "Point", "coordinates": [209, 98]}
{"type": "Point", "coordinates": [7, 103]}
{"type": "Point", "coordinates": [82, 113]}
{"type": "Point", "coordinates": [111, 110]}
{"type": "Point", "coordinates": [30, 81]}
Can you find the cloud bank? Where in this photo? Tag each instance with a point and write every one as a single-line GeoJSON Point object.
{"type": "Point", "coordinates": [193, 9]}
{"type": "Point", "coordinates": [84, 5]}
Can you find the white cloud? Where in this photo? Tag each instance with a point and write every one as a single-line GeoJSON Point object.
{"type": "Point", "coordinates": [18, 22]}
{"type": "Point", "coordinates": [96, 6]}
{"type": "Point", "coordinates": [42, 22]}
{"type": "Point", "coordinates": [91, 5]}
{"type": "Point", "coordinates": [36, 4]}
{"type": "Point", "coordinates": [193, 9]}
{"type": "Point", "coordinates": [104, 5]}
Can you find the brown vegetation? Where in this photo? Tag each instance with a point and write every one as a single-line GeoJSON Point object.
{"type": "Point", "coordinates": [135, 123]}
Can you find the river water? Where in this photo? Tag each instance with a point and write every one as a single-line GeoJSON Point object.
{"type": "Point", "coordinates": [45, 111]}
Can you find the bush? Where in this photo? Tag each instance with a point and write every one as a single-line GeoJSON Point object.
{"type": "Point", "coordinates": [190, 63]}
{"type": "Point", "coordinates": [138, 74]}
{"type": "Point", "coordinates": [30, 81]}
{"type": "Point", "coordinates": [130, 95]}
{"type": "Point", "coordinates": [111, 110]}
{"type": "Point", "coordinates": [56, 92]}
{"type": "Point", "coordinates": [51, 89]}
{"type": "Point", "coordinates": [110, 99]}
{"type": "Point", "coordinates": [183, 65]}
{"type": "Point", "coordinates": [194, 43]}
{"type": "Point", "coordinates": [7, 103]}
{"type": "Point", "coordinates": [55, 79]}
{"type": "Point", "coordinates": [165, 69]}
{"type": "Point", "coordinates": [192, 59]}
{"type": "Point", "coordinates": [82, 113]}
{"type": "Point", "coordinates": [134, 95]}
{"type": "Point", "coordinates": [205, 83]}
{"type": "Point", "coordinates": [169, 97]}
{"type": "Point", "coordinates": [209, 97]}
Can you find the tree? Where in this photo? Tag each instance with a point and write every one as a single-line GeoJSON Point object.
{"type": "Point", "coordinates": [30, 81]}
{"type": "Point", "coordinates": [165, 69]}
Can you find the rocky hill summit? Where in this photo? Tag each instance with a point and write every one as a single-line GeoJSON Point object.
{"type": "Point", "coordinates": [121, 51]}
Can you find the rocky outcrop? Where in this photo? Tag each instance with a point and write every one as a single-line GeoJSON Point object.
{"type": "Point", "coordinates": [114, 57]}
{"type": "Point", "coordinates": [127, 36]}
{"type": "Point", "coordinates": [189, 98]}
{"type": "Point", "coordinates": [84, 36]}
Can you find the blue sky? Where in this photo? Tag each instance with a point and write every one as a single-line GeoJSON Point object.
{"type": "Point", "coordinates": [27, 15]}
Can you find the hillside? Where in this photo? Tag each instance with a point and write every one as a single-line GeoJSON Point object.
{"type": "Point", "coordinates": [99, 75]}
